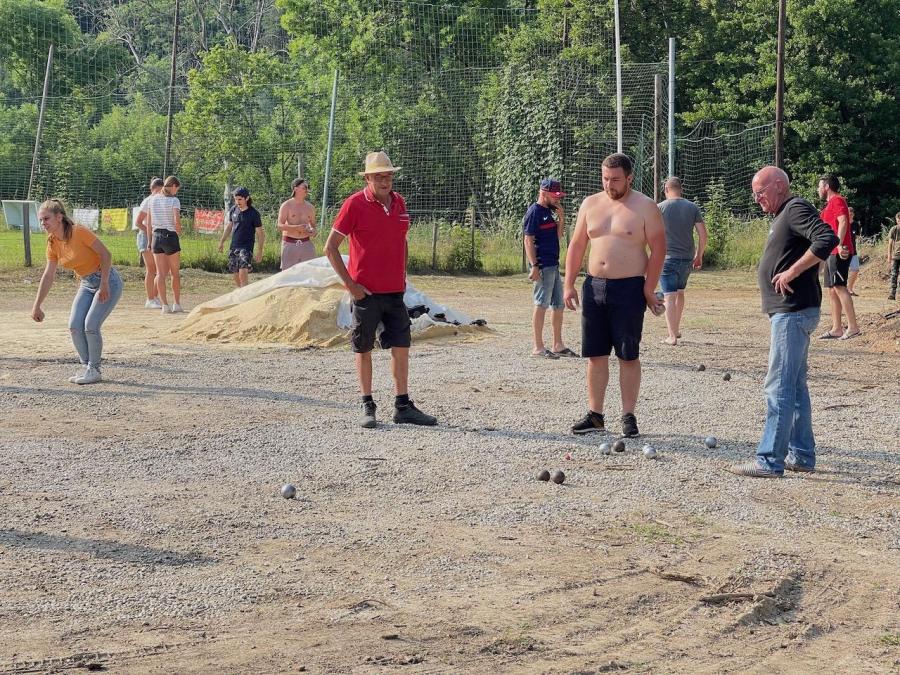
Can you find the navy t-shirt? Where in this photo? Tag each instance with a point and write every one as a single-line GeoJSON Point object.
{"type": "Point", "coordinates": [540, 223]}
{"type": "Point", "coordinates": [243, 227]}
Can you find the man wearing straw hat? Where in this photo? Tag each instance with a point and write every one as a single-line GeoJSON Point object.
{"type": "Point", "coordinates": [376, 221]}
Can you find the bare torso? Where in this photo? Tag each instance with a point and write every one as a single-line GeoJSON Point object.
{"type": "Point", "coordinates": [616, 230]}
{"type": "Point", "coordinates": [299, 217]}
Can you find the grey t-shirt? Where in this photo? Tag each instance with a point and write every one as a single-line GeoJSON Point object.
{"type": "Point", "coordinates": [679, 217]}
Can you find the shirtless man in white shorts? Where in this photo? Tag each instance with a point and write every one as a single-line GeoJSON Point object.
{"type": "Point", "coordinates": [296, 220]}
{"type": "Point", "coordinates": [619, 224]}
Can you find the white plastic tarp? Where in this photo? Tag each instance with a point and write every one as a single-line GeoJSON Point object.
{"type": "Point", "coordinates": [14, 213]}
{"type": "Point", "coordinates": [317, 273]}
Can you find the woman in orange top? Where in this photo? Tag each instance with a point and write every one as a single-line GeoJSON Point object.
{"type": "Point", "coordinates": [78, 249]}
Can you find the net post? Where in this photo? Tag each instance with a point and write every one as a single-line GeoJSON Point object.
{"type": "Point", "coordinates": [26, 225]}
{"type": "Point", "coordinates": [671, 106]}
{"type": "Point", "coordinates": [434, 239]}
{"type": "Point", "coordinates": [618, 81]}
{"type": "Point", "coordinates": [657, 134]}
{"type": "Point", "coordinates": [171, 92]}
{"type": "Point", "coordinates": [334, 89]}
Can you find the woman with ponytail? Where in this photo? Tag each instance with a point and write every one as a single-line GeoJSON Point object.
{"type": "Point", "coordinates": [78, 249]}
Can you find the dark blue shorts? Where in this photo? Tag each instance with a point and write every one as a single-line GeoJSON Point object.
{"type": "Point", "coordinates": [675, 273]}
{"type": "Point", "coordinates": [386, 309]}
{"type": "Point", "coordinates": [612, 317]}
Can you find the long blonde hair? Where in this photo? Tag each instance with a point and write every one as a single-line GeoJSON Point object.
{"type": "Point", "coordinates": [56, 206]}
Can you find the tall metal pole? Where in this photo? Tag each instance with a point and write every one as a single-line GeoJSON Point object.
{"type": "Point", "coordinates": [165, 170]}
{"type": "Point", "coordinates": [618, 81]}
{"type": "Point", "coordinates": [26, 225]}
{"type": "Point", "coordinates": [671, 106]}
{"type": "Point", "coordinates": [657, 134]}
{"type": "Point", "coordinates": [779, 86]}
{"type": "Point", "coordinates": [328, 151]}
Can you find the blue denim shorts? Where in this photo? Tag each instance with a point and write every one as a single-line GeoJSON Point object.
{"type": "Point", "coordinates": [675, 273]}
{"type": "Point", "coordinates": [854, 263]}
{"type": "Point", "coordinates": [548, 289]}
{"type": "Point", "coordinates": [142, 244]}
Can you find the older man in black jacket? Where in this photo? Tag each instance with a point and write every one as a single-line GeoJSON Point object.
{"type": "Point", "coordinates": [798, 241]}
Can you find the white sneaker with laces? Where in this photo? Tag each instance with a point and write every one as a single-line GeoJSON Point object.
{"type": "Point", "coordinates": [176, 309]}
{"type": "Point", "coordinates": [166, 309]}
{"type": "Point", "coordinates": [153, 303]}
{"type": "Point", "coordinates": [78, 373]}
{"type": "Point", "coordinates": [91, 375]}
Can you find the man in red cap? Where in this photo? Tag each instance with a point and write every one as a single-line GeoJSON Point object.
{"type": "Point", "coordinates": [376, 222]}
{"type": "Point", "coordinates": [544, 225]}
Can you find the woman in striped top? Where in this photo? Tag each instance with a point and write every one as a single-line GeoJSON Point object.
{"type": "Point", "coordinates": [164, 218]}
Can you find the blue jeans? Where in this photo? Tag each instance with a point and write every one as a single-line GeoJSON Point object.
{"type": "Point", "coordinates": [88, 314]}
{"type": "Point", "coordinates": [548, 289]}
{"type": "Point", "coordinates": [675, 273]}
{"type": "Point", "coordinates": [788, 426]}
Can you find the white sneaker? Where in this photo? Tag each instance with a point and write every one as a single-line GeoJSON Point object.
{"type": "Point", "coordinates": [176, 309]}
{"type": "Point", "coordinates": [82, 369]}
{"type": "Point", "coordinates": [166, 309]}
{"type": "Point", "coordinates": [153, 303]}
{"type": "Point", "coordinates": [91, 375]}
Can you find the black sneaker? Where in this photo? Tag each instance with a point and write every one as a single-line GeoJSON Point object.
{"type": "Point", "coordinates": [588, 424]}
{"type": "Point", "coordinates": [410, 414]}
{"type": "Point", "coordinates": [368, 421]}
{"type": "Point", "coordinates": [629, 426]}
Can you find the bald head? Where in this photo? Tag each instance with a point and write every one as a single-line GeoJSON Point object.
{"type": "Point", "coordinates": [672, 187]}
{"type": "Point", "coordinates": [771, 187]}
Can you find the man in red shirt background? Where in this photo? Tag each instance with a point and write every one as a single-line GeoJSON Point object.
{"type": "Point", "coordinates": [376, 221]}
{"type": "Point", "coordinates": [837, 268]}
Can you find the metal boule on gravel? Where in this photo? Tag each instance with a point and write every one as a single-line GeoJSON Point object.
{"type": "Point", "coordinates": [288, 491]}
{"type": "Point", "coordinates": [649, 452]}
{"type": "Point", "coordinates": [726, 376]}
{"type": "Point", "coordinates": [543, 475]}
{"type": "Point", "coordinates": [711, 441]}
{"type": "Point", "coordinates": [558, 477]}
{"type": "Point", "coordinates": [701, 368]}
{"type": "Point", "coordinates": [619, 446]}
{"type": "Point", "coordinates": [605, 449]}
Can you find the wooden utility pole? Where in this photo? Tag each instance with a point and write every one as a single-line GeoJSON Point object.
{"type": "Point", "coordinates": [171, 92]}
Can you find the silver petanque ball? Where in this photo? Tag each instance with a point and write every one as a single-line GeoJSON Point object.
{"type": "Point", "coordinates": [619, 446]}
{"type": "Point", "coordinates": [711, 442]}
{"type": "Point", "coordinates": [288, 491]}
{"type": "Point", "coordinates": [649, 452]}
{"type": "Point", "coordinates": [605, 448]}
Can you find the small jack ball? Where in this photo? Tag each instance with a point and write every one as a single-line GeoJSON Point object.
{"type": "Point", "coordinates": [726, 376]}
{"type": "Point", "coordinates": [543, 475]}
{"type": "Point", "coordinates": [605, 449]}
{"type": "Point", "coordinates": [288, 491]}
{"type": "Point", "coordinates": [619, 446]}
{"type": "Point", "coordinates": [711, 442]}
{"type": "Point", "coordinates": [558, 477]}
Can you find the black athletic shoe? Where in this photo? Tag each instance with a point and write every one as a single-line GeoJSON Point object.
{"type": "Point", "coordinates": [368, 421]}
{"type": "Point", "coordinates": [410, 414]}
{"type": "Point", "coordinates": [629, 426]}
{"type": "Point", "coordinates": [588, 424]}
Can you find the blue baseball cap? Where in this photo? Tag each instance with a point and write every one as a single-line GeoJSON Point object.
{"type": "Point", "coordinates": [241, 192]}
{"type": "Point", "coordinates": [553, 186]}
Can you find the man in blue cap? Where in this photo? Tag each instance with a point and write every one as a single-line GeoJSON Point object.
{"type": "Point", "coordinates": [544, 225]}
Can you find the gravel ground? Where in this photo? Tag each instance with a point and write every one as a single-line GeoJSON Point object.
{"type": "Point", "coordinates": [143, 529]}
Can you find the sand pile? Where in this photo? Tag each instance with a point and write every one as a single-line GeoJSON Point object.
{"type": "Point", "coordinates": [882, 332]}
{"type": "Point", "coordinates": [302, 317]}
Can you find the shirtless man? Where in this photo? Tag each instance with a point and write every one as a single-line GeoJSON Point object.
{"type": "Point", "coordinates": [296, 220]}
{"type": "Point", "coordinates": [620, 224]}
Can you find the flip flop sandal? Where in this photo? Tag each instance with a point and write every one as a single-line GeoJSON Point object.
{"type": "Point", "coordinates": [850, 336]}
{"type": "Point", "coordinates": [829, 336]}
{"type": "Point", "coordinates": [753, 470]}
{"type": "Point", "coordinates": [566, 352]}
{"type": "Point", "coordinates": [546, 354]}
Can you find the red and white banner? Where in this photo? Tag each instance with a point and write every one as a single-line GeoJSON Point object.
{"type": "Point", "coordinates": [208, 222]}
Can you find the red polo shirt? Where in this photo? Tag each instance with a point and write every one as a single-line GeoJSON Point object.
{"type": "Point", "coordinates": [837, 206]}
{"type": "Point", "coordinates": [377, 240]}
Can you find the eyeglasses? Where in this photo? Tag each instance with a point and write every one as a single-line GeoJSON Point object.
{"type": "Point", "coordinates": [759, 193]}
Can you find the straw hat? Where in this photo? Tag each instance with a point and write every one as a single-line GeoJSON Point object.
{"type": "Point", "coordinates": [378, 162]}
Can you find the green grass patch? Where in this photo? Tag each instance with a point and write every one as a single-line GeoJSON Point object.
{"type": "Point", "coordinates": [890, 640]}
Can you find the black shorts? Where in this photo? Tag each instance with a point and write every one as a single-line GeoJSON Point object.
{"type": "Point", "coordinates": [165, 241]}
{"type": "Point", "coordinates": [240, 259]}
{"type": "Point", "coordinates": [836, 271]}
{"type": "Point", "coordinates": [612, 317]}
{"type": "Point", "coordinates": [384, 308]}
